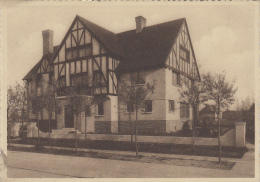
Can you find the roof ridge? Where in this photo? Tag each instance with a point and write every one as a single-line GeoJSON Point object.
{"type": "Point", "coordinates": [154, 25]}
{"type": "Point", "coordinates": [95, 24]}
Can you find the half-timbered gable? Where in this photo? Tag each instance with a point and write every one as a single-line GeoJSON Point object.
{"type": "Point", "coordinates": [181, 58]}
{"type": "Point", "coordinates": [84, 58]}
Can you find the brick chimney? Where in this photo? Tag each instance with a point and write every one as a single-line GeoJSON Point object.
{"type": "Point", "coordinates": [140, 23]}
{"type": "Point", "coordinates": [47, 36]}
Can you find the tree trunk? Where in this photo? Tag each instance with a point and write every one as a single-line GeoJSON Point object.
{"type": "Point", "coordinates": [131, 127]}
{"type": "Point", "coordinates": [8, 128]}
{"type": "Point", "coordinates": [85, 130]}
{"type": "Point", "coordinates": [49, 128]}
{"type": "Point", "coordinates": [136, 144]}
{"type": "Point", "coordinates": [38, 123]}
{"type": "Point", "coordinates": [22, 128]}
{"type": "Point", "coordinates": [76, 134]}
{"type": "Point", "coordinates": [219, 144]}
{"type": "Point", "coordinates": [193, 129]}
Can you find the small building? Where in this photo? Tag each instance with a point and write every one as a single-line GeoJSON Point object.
{"type": "Point", "coordinates": [208, 114]}
{"type": "Point", "coordinates": [161, 52]}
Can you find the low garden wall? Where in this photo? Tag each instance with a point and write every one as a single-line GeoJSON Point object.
{"type": "Point", "coordinates": [233, 138]}
{"type": "Point", "coordinates": [14, 129]}
{"type": "Point", "coordinates": [144, 127]}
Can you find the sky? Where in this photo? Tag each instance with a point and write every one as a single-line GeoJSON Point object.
{"type": "Point", "coordinates": [223, 36]}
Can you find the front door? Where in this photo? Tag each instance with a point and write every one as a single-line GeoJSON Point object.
{"type": "Point", "coordinates": [69, 117]}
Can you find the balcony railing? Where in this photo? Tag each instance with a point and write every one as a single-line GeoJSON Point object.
{"type": "Point", "coordinates": [84, 90]}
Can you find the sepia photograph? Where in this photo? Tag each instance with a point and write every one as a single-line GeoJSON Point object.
{"type": "Point", "coordinates": [131, 90]}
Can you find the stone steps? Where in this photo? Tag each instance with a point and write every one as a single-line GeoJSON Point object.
{"type": "Point", "coordinates": [63, 131]}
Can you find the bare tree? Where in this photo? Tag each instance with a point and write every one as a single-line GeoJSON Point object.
{"type": "Point", "coordinates": [134, 95]}
{"type": "Point", "coordinates": [78, 99]}
{"type": "Point", "coordinates": [36, 101]}
{"type": "Point", "coordinates": [16, 104]}
{"type": "Point", "coordinates": [218, 89]}
{"type": "Point", "coordinates": [22, 102]}
{"type": "Point", "coordinates": [11, 108]}
{"type": "Point", "coordinates": [192, 94]}
{"type": "Point", "coordinates": [49, 100]}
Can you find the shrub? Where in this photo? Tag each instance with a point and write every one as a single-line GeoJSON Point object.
{"type": "Point", "coordinates": [186, 128]}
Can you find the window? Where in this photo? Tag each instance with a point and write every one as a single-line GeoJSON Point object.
{"type": "Point", "coordinates": [88, 111]}
{"type": "Point", "coordinates": [88, 51]}
{"type": "Point", "coordinates": [129, 107]}
{"type": "Point", "coordinates": [184, 110]}
{"type": "Point", "coordinates": [34, 107]}
{"type": "Point", "coordinates": [38, 80]}
{"type": "Point", "coordinates": [75, 54]}
{"type": "Point", "coordinates": [97, 77]}
{"type": "Point", "coordinates": [171, 105]}
{"type": "Point", "coordinates": [62, 81]}
{"type": "Point", "coordinates": [76, 79]}
{"type": "Point", "coordinates": [82, 52]}
{"type": "Point", "coordinates": [69, 54]}
{"type": "Point", "coordinates": [184, 54]}
{"type": "Point", "coordinates": [51, 77]}
{"type": "Point", "coordinates": [176, 78]}
{"type": "Point", "coordinates": [148, 106]}
{"type": "Point", "coordinates": [100, 108]}
{"type": "Point", "coordinates": [138, 77]}
{"type": "Point", "coordinates": [85, 79]}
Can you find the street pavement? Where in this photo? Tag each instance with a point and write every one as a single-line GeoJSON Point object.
{"type": "Point", "coordinates": [38, 165]}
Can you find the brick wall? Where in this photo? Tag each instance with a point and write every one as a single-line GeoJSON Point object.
{"type": "Point", "coordinates": [143, 127]}
{"type": "Point", "coordinates": [102, 126]}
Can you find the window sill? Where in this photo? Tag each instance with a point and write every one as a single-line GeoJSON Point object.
{"type": "Point", "coordinates": [147, 112]}
{"type": "Point", "coordinates": [97, 116]}
{"type": "Point", "coordinates": [176, 85]}
{"type": "Point", "coordinates": [60, 97]}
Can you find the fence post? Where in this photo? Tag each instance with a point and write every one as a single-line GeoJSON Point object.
{"type": "Point", "coordinates": [240, 128]}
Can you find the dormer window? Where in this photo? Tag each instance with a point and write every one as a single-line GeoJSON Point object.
{"type": "Point", "coordinates": [184, 54]}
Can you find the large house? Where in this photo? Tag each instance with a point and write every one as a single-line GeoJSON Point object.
{"type": "Point", "coordinates": [161, 52]}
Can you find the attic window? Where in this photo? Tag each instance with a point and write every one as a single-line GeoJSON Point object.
{"type": "Point", "coordinates": [184, 54]}
{"type": "Point", "coordinates": [80, 51]}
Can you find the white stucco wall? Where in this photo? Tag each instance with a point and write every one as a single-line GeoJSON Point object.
{"type": "Point", "coordinates": [173, 120]}
{"type": "Point", "coordinates": [158, 97]}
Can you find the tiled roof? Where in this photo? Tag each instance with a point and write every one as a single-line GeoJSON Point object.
{"type": "Point", "coordinates": [104, 36]}
{"type": "Point", "coordinates": [138, 50]}
{"type": "Point", "coordinates": [135, 50]}
{"type": "Point", "coordinates": [35, 68]}
{"type": "Point", "coordinates": [150, 47]}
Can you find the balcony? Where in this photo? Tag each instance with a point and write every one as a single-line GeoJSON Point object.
{"type": "Point", "coordinates": [83, 90]}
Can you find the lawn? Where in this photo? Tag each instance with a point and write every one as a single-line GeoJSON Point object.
{"type": "Point", "coordinates": [230, 152]}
